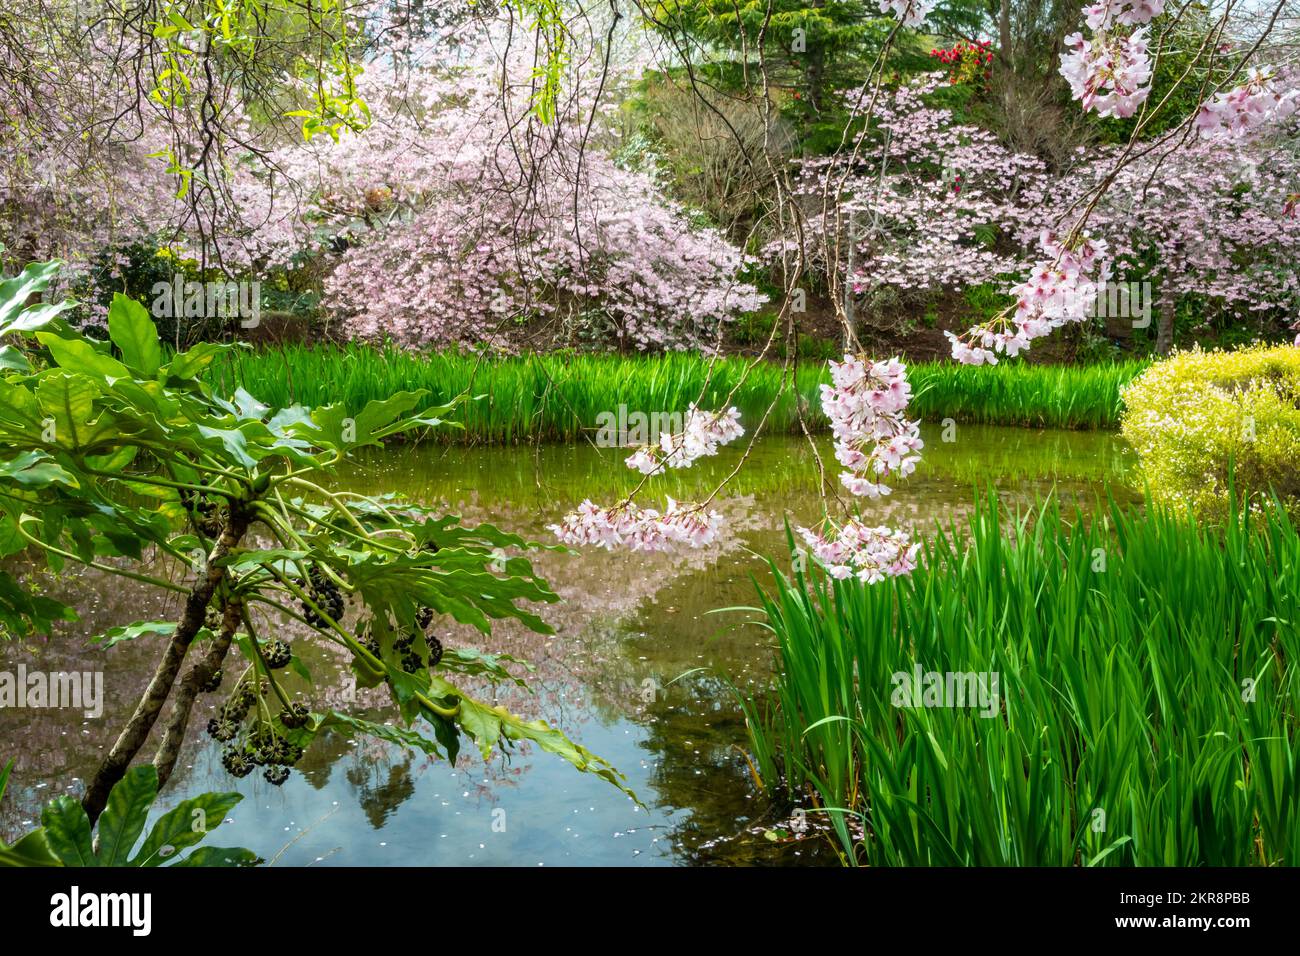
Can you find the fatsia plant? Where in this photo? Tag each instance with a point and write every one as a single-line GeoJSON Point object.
{"type": "Point", "coordinates": [66, 837]}
{"type": "Point", "coordinates": [118, 456]}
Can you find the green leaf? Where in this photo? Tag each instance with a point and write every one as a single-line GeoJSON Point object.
{"type": "Point", "coordinates": [233, 441]}
{"type": "Point", "coordinates": [132, 330]}
{"type": "Point", "coordinates": [21, 612]}
{"type": "Point", "coordinates": [129, 632]}
{"type": "Point", "coordinates": [333, 427]}
{"type": "Point", "coordinates": [35, 469]}
{"type": "Point", "coordinates": [185, 825]}
{"type": "Point", "coordinates": [124, 817]}
{"type": "Point", "coordinates": [70, 400]}
{"type": "Point", "coordinates": [78, 355]}
{"type": "Point", "coordinates": [186, 366]}
{"type": "Point", "coordinates": [12, 360]}
{"type": "Point", "coordinates": [15, 314]}
{"type": "Point", "coordinates": [488, 725]}
{"type": "Point", "coordinates": [67, 831]}
{"type": "Point", "coordinates": [471, 661]}
{"type": "Point", "coordinates": [220, 856]}
{"type": "Point", "coordinates": [32, 850]}
{"type": "Point", "coordinates": [408, 739]}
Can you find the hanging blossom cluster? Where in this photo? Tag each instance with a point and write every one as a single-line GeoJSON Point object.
{"type": "Point", "coordinates": [1111, 70]}
{"type": "Point", "coordinates": [865, 405]}
{"type": "Point", "coordinates": [702, 435]}
{"type": "Point", "coordinates": [869, 554]}
{"type": "Point", "coordinates": [1108, 13]}
{"type": "Point", "coordinates": [1110, 73]}
{"type": "Point", "coordinates": [1261, 101]}
{"type": "Point", "coordinates": [1062, 288]}
{"type": "Point", "coordinates": [639, 529]}
{"type": "Point", "coordinates": [645, 529]}
{"type": "Point", "coordinates": [911, 12]}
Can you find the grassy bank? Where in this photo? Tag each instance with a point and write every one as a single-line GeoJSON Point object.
{"type": "Point", "coordinates": [557, 397]}
{"type": "Point", "coordinates": [1147, 690]}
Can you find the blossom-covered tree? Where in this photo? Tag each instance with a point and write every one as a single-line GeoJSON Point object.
{"type": "Point", "coordinates": [927, 202]}
{"type": "Point", "coordinates": [1206, 209]}
{"type": "Point", "coordinates": [459, 221]}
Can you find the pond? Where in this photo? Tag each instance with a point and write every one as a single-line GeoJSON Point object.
{"type": "Point", "coordinates": [642, 670]}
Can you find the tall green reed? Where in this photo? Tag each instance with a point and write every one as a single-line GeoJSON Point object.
{"type": "Point", "coordinates": [1147, 710]}
{"type": "Point", "coordinates": [560, 396]}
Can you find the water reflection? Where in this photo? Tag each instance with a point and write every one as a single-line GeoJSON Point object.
{"type": "Point", "coordinates": [639, 670]}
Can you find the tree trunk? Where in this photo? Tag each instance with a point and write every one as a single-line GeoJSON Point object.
{"type": "Point", "coordinates": [188, 691]}
{"type": "Point", "coordinates": [1004, 35]}
{"type": "Point", "coordinates": [815, 67]}
{"type": "Point", "coordinates": [137, 729]}
{"type": "Point", "coordinates": [1165, 325]}
{"type": "Point", "coordinates": [815, 77]}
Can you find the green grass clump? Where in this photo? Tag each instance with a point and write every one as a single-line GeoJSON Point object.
{"type": "Point", "coordinates": [1202, 420]}
{"type": "Point", "coordinates": [560, 396]}
{"type": "Point", "coordinates": [1147, 707]}
{"type": "Point", "coordinates": [1042, 396]}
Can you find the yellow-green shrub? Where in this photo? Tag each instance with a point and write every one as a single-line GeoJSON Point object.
{"type": "Point", "coordinates": [1196, 414]}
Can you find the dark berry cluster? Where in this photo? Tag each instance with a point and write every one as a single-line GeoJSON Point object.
{"type": "Point", "coordinates": [236, 762]}
{"type": "Point", "coordinates": [209, 517]}
{"type": "Point", "coordinates": [404, 646]}
{"type": "Point", "coordinates": [266, 748]}
{"type": "Point", "coordinates": [326, 595]}
{"type": "Point", "coordinates": [213, 682]}
{"type": "Point", "coordinates": [277, 654]}
{"type": "Point", "coordinates": [262, 744]}
{"type": "Point", "coordinates": [223, 729]}
{"type": "Point", "coordinates": [435, 649]}
{"type": "Point", "coordinates": [236, 708]}
{"type": "Point", "coordinates": [294, 716]}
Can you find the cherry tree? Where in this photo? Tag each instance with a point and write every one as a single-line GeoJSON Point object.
{"type": "Point", "coordinates": [1209, 220]}
{"type": "Point", "coordinates": [461, 217]}
{"type": "Point", "coordinates": [91, 158]}
{"type": "Point", "coordinates": [927, 202]}
{"type": "Point", "coordinates": [1176, 209]}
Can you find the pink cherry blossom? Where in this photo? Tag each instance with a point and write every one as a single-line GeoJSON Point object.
{"type": "Point", "coordinates": [912, 13]}
{"type": "Point", "coordinates": [701, 436]}
{"type": "Point", "coordinates": [639, 529]}
{"type": "Point", "coordinates": [1106, 13]}
{"type": "Point", "coordinates": [1262, 100]}
{"type": "Point", "coordinates": [1109, 73]}
{"type": "Point", "coordinates": [855, 549]}
{"type": "Point", "coordinates": [1062, 288]}
{"type": "Point", "coordinates": [865, 405]}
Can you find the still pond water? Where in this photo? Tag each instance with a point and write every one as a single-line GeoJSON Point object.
{"type": "Point", "coordinates": [640, 670]}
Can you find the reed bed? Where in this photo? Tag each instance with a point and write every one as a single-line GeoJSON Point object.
{"type": "Point", "coordinates": [1147, 695]}
{"type": "Point", "coordinates": [561, 396]}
